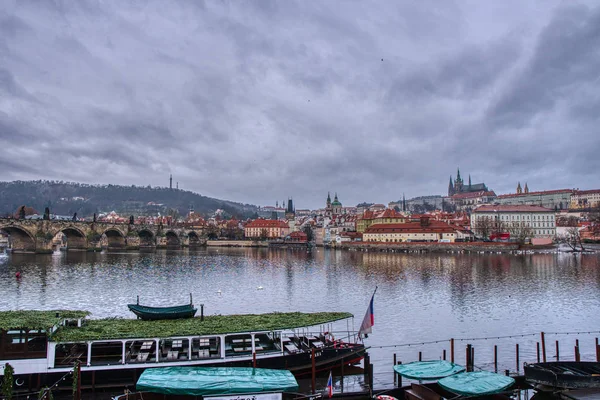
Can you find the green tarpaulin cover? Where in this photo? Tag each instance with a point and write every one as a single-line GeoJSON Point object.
{"type": "Point", "coordinates": [428, 370]}
{"type": "Point", "coordinates": [476, 383]}
{"type": "Point", "coordinates": [205, 381]}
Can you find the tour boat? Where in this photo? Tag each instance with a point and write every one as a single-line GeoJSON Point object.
{"type": "Point", "coordinates": [44, 346]}
{"type": "Point", "coordinates": [560, 375]}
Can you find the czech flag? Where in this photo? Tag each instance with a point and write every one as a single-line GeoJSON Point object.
{"type": "Point", "coordinates": [368, 320]}
{"type": "Point", "coordinates": [330, 385]}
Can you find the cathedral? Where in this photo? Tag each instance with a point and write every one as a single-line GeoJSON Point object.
{"type": "Point", "coordinates": [459, 186]}
{"type": "Point", "coordinates": [333, 208]}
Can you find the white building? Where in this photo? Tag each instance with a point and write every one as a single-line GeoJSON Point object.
{"type": "Point", "coordinates": [488, 219]}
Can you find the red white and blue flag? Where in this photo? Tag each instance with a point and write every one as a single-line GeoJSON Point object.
{"type": "Point", "coordinates": [330, 385]}
{"type": "Point", "coordinates": [368, 320]}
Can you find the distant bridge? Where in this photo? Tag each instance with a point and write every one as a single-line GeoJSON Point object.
{"type": "Point", "coordinates": [36, 236]}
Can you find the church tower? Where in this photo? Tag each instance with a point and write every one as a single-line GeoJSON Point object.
{"type": "Point", "coordinates": [519, 190]}
{"type": "Point", "coordinates": [526, 188]}
{"type": "Point", "coordinates": [290, 211]}
{"type": "Point", "coordinates": [328, 208]}
{"type": "Point", "coordinates": [171, 181]}
{"type": "Point", "coordinates": [336, 206]}
{"type": "Point", "coordinates": [450, 187]}
{"type": "Point", "coordinates": [458, 182]}
{"type": "Point", "coordinates": [469, 182]}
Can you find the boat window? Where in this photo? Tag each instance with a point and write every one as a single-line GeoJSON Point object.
{"type": "Point", "coordinates": [137, 351]}
{"type": "Point", "coordinates": [106, 353]}
{"type": "Point", "coordinates": [267, 342]}
{"type": "Point", "coordinates": [66, 354]}
{"type": "Point", "coordinates": [21, 343]}
{"type": "Point", "coordinates": [238, 345]}
{"type": "Point", "coordinates": [174, 349]}
{"type": "Point", "coordinates": [206, 347]}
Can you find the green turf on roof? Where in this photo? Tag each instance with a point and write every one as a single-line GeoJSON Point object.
{"type": "Point", "coordinates": [34, 319]}
{"type": "Point", "coordinates": [131, 328]}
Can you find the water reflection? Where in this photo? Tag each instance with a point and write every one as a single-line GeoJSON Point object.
{"type": "Point", "coordinates": [421, 297]}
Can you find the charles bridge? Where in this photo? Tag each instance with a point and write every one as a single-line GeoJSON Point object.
{"type": "Point", "coordinates": [37, 236]}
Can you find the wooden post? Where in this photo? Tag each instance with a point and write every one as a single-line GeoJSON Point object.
{"type": "Point", "coordinates": [597, 351]}
{"type": "Point", "coordinates": [577, 355]}
{"type": "Point", "coordinates": [395, 373]}
{"type": "Point", "coordinates": [496, 358]}
{"type": "Point", "coordinates": [78, 380]}
{"type": "Point", "coordinates": [472, 358]}
{"type": "Point", "coordinates": [452, 350]}
{"type": "Point", "coordinates": [399, 376]}
{"type": "Point", "coordinates": [420, 356]}
{"type": "Point", "coordinates": [314, 371]}
{"type": "Point", "coordinates": [468, 357]}
{"type": "Point", "coordinates": [517, 354]}
{"type": "Point", "coordinates": [444, 355]}
{"type": "Point", "coordinates": [254, 360]}
{"type": "Point", "coordinates": [543, 347]}
{"type": "Point", "coordinates": [342, 376]}
{"type": "Point", "coordinates": [367, 362]}
{"type": "Point", "coordinates": [557, 352]}
{"type": "Point", "coordinates": [537, 350]}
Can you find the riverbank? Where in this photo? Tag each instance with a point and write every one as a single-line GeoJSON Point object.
{"type": "Point", "coordinates": [436, 247]}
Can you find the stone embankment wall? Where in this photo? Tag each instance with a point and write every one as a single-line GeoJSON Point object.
{"type": "Point", "coordinates": [236, 243]}
{"type": "Point", "coordinates": [436, 247]}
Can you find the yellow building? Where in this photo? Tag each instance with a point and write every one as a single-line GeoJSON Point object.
{"type": "Point", "coordinates": [585, 199]}
{"type": "Point", "coordinates": [388, 216]}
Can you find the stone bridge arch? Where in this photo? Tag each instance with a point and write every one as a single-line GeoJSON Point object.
{"type": "Point", "coordinates": [76, 238]}
{"type": "Point", "coordinates": [115, 239]}
{"type": "Point", "coordinates": [193, 239]}
{"type": "Point", "coordinates": [147, 238]}
{"type": "Point", "coordinates": [173, 239]}
{"type": "Point", "coordinates": [21, 240]}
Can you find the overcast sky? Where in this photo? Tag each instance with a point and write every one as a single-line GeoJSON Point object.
{"type": "Point", "coordinates": [255, 101]}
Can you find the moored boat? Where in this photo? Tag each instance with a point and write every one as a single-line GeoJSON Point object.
{"type": "Point", "coordinates": [44, 346]}
{"type": "Point", "coordinates": [154, 313]}
{"type": "Point", "coordinates": [560, 375]}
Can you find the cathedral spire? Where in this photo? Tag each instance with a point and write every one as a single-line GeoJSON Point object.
{"type": "Point", "coordinates": [458, 174]}
{"type": "Point", "coordinates": [519, 190]}
{"type": "Point", "coordinates": [403, 203]}
{"type": "Point", "coordinates": [450, 187]}
{"type": "Point", "coordinates": [469, 181]}
{"type": "Point", "coordinates": [526, 188]}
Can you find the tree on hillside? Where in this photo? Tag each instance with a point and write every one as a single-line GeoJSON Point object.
{"type": "Point", "coordinates": [309, 232]}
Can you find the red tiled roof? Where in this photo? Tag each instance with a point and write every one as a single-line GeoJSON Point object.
{"type": "Point", "coordinates": [511, 208]}
{"type": "Point", "coordinates": [543, 192]}
{"type": "Point", "coordinates": [267, 223]}
{"type": "Point", "coordinates": [298, 234]}
{"type": "Point", "coordinates": [389, 213]}
{"type": "Point", "coordinates": [411, 227]}
{"type": "Point", "coordinates": [471, 195]}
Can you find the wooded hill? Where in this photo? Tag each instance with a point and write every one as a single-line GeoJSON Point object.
{"type": "Point", "coordinates": [67, 198]}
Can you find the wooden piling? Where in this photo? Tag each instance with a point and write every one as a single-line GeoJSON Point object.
{"type": "Point", "coordinates": [468, 354]}
{"type": "Point", "coordinates": [543, 346]}
{"type": "Point", "coordinates": [472, 358]}
{"type": "Point", "coordinates": [314, 370]}
{"type": "Point", "coordinates": [496, 358]}
{"type": "Point", "coordinates": [395, 379]}
{"type": "Point", "coordinates": [444, 355]}
{"type": "Point", "coordinates": [557, 352]}
{"type": "Point", "coordinates": [597, 351]}
{"type": "Point", "coordinates": [420, 356]}
{"type": "Point", "coordinates": [577, 355]}
{"type": "Point", "coordinates": [254, 360]}
{"type": "Point", "coordinates": [537, 345]}
{"type": "Point", "coordinates": [451, 350]}
{"type": "Point", "coordinates": [517, 354]}
{"type": "Point", "coordinates": [399, 376]}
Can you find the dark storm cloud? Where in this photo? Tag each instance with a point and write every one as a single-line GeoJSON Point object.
{"type": "Point", "coordinates": [258, 101]}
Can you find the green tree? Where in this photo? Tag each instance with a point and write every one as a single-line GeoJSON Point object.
{"type": "Point", "coordinates": [8, 381]}
{"type": "Point", "coordinates": [309, 232]}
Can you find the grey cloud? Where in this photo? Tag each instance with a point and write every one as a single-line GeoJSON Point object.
{"type": "Point", "coordinates": [257, 101]}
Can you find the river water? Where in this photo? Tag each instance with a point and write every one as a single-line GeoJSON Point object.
{"type": "Point", "coordinates": [478, 299]}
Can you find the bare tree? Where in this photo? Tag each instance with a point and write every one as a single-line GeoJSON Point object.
{"type": "Point", "coordinates": [572, 238]}
{"type": "Point", "coordinates": [484, 226]}
{"type": "Point", "coordinates": [264, 234]}
{"type": "Point", "coordinates": [520, 231]}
